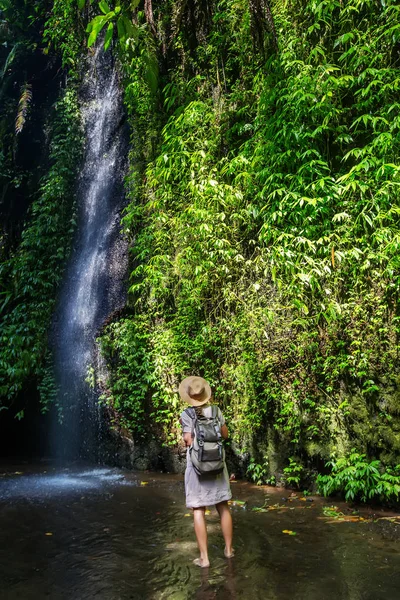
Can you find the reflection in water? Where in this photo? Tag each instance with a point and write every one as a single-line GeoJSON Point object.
{"type": "Point", "coordinates": [100, 533]}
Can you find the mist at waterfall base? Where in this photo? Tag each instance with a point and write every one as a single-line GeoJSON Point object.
{"type": "Point", "coordinates": [94, 285]}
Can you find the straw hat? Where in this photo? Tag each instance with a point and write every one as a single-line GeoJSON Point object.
{"type": "Point", "coordinates": [195, 391]}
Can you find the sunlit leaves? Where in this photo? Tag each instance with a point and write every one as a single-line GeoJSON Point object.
{"type": "Point", "coordinates": [360, 479]}
{"type": "Point", "coordinates": [135, 42]}
{"type": "Point", "coordinates": [104, 7]}
{"type": "Point", "coordinates": [265, 222]}
{"type": "Point", "coordinates": [127, 31]}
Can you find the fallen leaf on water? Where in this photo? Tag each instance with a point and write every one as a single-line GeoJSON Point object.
{"type": "Point", "coordinates": [48, 533]}
{"type": "Point", "coordinates": [18, 473]}
{"type": "Point", "coordinates": [187, 515]}
{"type": "Point", "coordinates": [344, 519]}
{"type": "Point", "coordinates": [144, 482]}
{"type": "Point", "coordinates": [236, 502]}
{"type": "Point", "coordinates": [289, 532]}
{"type": "Point", "coordinates": [278, 507]}
{"type": "Point", "coordinates": [208, 512]}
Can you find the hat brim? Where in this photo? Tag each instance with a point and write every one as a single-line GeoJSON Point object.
{"type": "Point", "coordinates": [184, 394]}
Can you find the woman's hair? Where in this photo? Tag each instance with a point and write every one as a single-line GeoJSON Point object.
{"type": "Point", "coordinates": [199, 409]}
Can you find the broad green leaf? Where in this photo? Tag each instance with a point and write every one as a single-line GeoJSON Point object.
{"type": "Point", "coordinates": [81, 4]}
{"type": "Point", "coordinates": [95, 22]}
{"type": "Point", "coordinates": [109, 35]}
{"type": "Point", "coordinates": [92, 38]}
{"type": "Point", "coordinates": [105, 9]}
{"type": "Point", "coordinates": [121, 29]}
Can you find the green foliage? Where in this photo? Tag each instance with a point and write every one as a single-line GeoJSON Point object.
{"type": "Point", "coordinates": [360, 479]}
{"type": "Point", "coordinates": [136, 47]}
{"type": "Point", "coordinates": [128, 32]}
{"type": "Point", "coordinates": [64, 31]}
{"type": "Point", "coordinates": [31, 276]}
{"type": "Point", "coordinates": [47, 386]}
{"type": "Point", "coordinates": [145, 402]}
{"type": "Point", "coordinates": [125, 345]}
{"type": "Point", "coordinates": [34, 245]}
{"type": "Point", "coordinates": [21, 62]}
{"type": "Point", "coordinates": [293, 472]}
{"type": "Point", "coordinates": [258, 473]}
{"type": "Point", "coordinates": [264, 221]}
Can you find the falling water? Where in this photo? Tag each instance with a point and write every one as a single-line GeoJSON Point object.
{"type": "Point", "coordinates": [94, 284]}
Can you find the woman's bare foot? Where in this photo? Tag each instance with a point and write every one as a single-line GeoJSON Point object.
{"type": "Point", "coordinates": [229, 554]}
{"type": "Point", "coordinates": [199, 562]}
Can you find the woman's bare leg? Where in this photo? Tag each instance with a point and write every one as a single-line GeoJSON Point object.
{"type": "Point", "coordinates": [226, 526]}
{"type": "Point", "coordinates": [200, 529]}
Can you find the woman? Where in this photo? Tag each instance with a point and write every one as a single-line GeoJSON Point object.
{"type": "Point", "coordinates": [201, 491]}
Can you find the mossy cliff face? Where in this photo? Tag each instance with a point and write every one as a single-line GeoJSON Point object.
{"type": "Point", "coordinates": [264, 187]}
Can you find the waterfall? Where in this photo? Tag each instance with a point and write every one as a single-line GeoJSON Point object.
{"type": "Point", "coordinates": [94, 282]}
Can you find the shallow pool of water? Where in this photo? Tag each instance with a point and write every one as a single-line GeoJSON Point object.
{"type": "Point", "coordinates": [87, 532]}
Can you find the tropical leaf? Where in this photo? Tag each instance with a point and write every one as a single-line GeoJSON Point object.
{"type": "Point", "coordinates": [105, 9]}
{"type": "Point", "coordinates": [121, 29]}
{"type": "Point", "coordinates": [11, 56]}
{"type": "Point", "coordinates": [97, 25]}
{"type": "Point", "coordinates": [109, 35]}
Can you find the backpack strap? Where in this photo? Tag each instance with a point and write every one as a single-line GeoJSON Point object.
{"type": "Point", "coordinates": [192, 414]}
{"type": "Point", "coordinates": [214, 414]}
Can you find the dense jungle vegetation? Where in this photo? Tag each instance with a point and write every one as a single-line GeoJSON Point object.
{"type": "Point", "coordinates": [263, 218]}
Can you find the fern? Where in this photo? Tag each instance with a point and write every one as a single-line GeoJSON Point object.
{"type": "Point", "coordinates": [23, 107]}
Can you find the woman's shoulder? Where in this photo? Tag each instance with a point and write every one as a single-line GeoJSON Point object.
{"type": "Point", "coordinates": [220, 416]}
{"type": "Point", "coordinates": [185, 414]}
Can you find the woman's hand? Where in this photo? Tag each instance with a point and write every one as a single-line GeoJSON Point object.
{"type": "Point", "coordinates": [188, 439]}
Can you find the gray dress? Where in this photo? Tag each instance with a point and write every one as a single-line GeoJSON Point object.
{"type": "Point", "coordinates": [204, 491]}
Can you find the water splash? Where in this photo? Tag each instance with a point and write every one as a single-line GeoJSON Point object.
{"type": "Point", "coordinates": [94, 283]}
{"type": "Point", "coordinates": [64, 483]}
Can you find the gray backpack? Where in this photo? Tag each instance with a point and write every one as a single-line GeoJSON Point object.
{"type": "Point", "coordinates": [207, 452]}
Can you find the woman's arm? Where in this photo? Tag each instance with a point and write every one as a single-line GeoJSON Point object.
{"type": "Point", "coordinates": [224, 432]}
